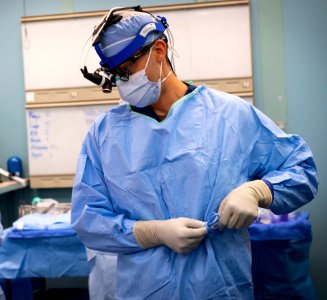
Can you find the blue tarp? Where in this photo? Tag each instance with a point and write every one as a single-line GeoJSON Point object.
{"type": "Point", "coordinates": [42, 257]}
{"type": "Point", "coordinates": [42, 225]}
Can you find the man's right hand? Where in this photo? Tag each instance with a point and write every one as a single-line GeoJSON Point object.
{"type": "Point", "coordinates": [181, 234]}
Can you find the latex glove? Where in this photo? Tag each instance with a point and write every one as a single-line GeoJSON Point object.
{"type": "Point", "coordinates": [181, 235]}
{"type": "Point", "coordinates": [240, 207]}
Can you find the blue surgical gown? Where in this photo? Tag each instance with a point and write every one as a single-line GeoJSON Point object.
{"type": "Point", "coordinates": [132, 167]}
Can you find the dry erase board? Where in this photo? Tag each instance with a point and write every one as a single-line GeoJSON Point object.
{"type": "Point", "coordinates": [212, 42]}
{"type": "Point", "coordinates": [55, 137]}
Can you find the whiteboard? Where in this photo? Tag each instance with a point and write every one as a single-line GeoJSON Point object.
{"type": "Point", "coordinates": [55, 137]}
{"type": "Point", "coordinates": [212, 43]}
{"type": "Point", "coordinates": [53, 53]}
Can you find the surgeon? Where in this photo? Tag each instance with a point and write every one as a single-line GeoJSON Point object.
{"type": "Point", "coordinates": [171, 179]}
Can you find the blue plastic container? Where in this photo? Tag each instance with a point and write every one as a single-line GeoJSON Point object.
{"type": "Point", "coordinates": [14, 166]}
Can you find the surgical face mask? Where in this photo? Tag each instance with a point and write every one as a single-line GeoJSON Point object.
{"type": "Point", "coordinates": [139, 91]}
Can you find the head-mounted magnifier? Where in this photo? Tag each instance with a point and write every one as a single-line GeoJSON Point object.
{"type": "Point", "coordinates": [106, 74]}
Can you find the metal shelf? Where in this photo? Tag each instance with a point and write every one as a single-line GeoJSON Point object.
{"type": "Point", "coordinates": [8, 186]}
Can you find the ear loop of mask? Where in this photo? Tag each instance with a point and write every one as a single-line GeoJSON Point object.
{"type": "Point", "coordinates": [147, 61]}
{"type": "Point", "coordinates": [162, 81]}
{"type": "Point", "coordinates": [146, 65]}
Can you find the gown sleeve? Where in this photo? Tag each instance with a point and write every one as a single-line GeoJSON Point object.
{"type": "Point", "coordinates": [93, 217]}
{"type": "Point", "coordinates": [284, 160]}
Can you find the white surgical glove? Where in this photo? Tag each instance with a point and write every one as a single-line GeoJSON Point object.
{"type": "Point", "coordinates": [181, 235]}
{"type": "Point", "coordinates": [240, 207]}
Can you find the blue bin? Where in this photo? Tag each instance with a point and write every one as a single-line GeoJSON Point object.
{"type": "Point", "coordinates": [280, 259]}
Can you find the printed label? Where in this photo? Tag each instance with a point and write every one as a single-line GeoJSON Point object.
{"type": "Point", "coordinates": [147, 29]}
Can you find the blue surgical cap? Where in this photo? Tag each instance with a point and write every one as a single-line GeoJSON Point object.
{"type": "Point", "coordinates": [118, 36]}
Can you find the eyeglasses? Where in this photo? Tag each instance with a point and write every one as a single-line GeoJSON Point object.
{"type": "Point", "coordinates": [124, 73]}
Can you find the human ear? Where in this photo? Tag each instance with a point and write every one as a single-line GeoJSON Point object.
{"type": "Point", "coordinates": [160, 50]}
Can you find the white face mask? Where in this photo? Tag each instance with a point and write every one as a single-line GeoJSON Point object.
{"type": "Point", "coordinates": [139, 91]}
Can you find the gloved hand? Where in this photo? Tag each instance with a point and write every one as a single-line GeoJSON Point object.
{"type": "Point", "coordinates": [240, 207]}
{"type": "Point", "coordinates": [181, 234]}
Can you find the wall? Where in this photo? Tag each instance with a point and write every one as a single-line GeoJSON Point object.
{"type": "Point", "coordinates": [305, 40]}
{"type": "Point", "coordinates": [289, 65]}
{"type": "Point", "coordinates": [290, 71]}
